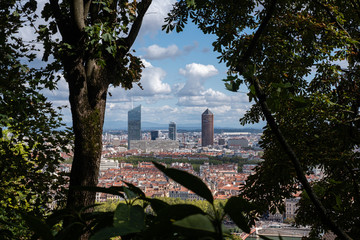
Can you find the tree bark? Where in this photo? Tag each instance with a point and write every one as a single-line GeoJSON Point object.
{"type": "Point", "coordinates": [88, 102]}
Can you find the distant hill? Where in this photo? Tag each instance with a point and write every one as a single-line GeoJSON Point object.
{"type": "Point", "coordinates": [122, 125]}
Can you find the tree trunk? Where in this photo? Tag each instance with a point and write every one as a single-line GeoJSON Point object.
{"type": "Point", "coordinates": [88, 101]}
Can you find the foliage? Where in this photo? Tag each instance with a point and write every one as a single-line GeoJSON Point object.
{"type": "Point", "coordinates": [139, 217]}
{"type": "Point", "coordinates": [29, 131]}
{"type": "Point", "coordinates": [92, 52]}
{"type": "Point", "coordinates": [299, 60]}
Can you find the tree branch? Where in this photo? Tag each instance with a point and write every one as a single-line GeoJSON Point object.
{"type": "Point", "coordinates": [77, 13]}
{"type": "Point", "coordinates": [87, 5]}
{"type": "Point", "coordinates": [275, 129]}
{"type": "Point", "coordinates": [333, 18]}
{"type": "Point", "coordinates": [259, 32]}
{"type": "Point", "coordinates": [61, 22]}
{"type": "Point", "coordinates": [135, 28]}
{"type": "Point", "coordinates": [294, 159]}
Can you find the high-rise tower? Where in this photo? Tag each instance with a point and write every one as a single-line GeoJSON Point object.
{"type": "Point", "coordinates": [172, 131]}
{"type": "Point", "coordinates": [134, 124]}
{"type": "Point", "coordinates": [207, 128]}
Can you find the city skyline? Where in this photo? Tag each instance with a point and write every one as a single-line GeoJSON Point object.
{"type": "Point", "coordinates": [182, 76]}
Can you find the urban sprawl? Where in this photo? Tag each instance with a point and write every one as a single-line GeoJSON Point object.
{"type": "Point", "coordinates": [222, 160]}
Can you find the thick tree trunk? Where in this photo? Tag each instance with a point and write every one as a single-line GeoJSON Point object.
{"type": "Point", "coordinates": [88, 102]}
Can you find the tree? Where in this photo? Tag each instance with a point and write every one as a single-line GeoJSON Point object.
{"type": "Point", "coordinates": [299, 60]}
{"type": "Point", "coordinates": [30, 139]}
{"type": "Point", "coordinates": [93, 53]}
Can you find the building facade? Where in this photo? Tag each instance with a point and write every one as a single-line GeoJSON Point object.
{"type": "Point", "coordinates": [154, 135]}
{"type": "Point", "coordinates": [172, 131]}
{"type": "Point", "coordinates": [158, 145]}
{"type": "Point", "coordinates": [207, 128]}
{"type": "Point", "coordinates": [134, 125]}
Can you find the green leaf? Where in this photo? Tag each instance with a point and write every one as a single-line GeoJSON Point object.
{"type": "Point", "coordinates": [196, 222]}
{"type": "Point", "coordinates": [188, 180]}
{"type": "Point", "coordinates": [191, 3]}
{"type": "Point", "coordinates": [129, 218]}
{"type": "Point", "coordinates": [156, 204]}
{"type": "Point", "coordinates": [235, 207]}
{"type": "Point", "coordinates": [107, 37]}
{"type": "Point", "coordinates": [38, 226]}
{"type": "Point", "coordinates": [135, 190]}
{"type": "Point", "coordinates": [178, 211]}
{"type": "Point", "coordinates": [106, 233]}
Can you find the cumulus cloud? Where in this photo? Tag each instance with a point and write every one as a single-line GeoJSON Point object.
{"type": "Point", "coordinates": [59, 94]}
{"type": "Point", "coordinates": [152, 82]}
{"type": "Point", "coordinates": [154, 18]}
{"type": "Point", "coordinates": [157, 52]}
{"type": "Point", "coordinates": [197, 70]}
{"type": "Point", "coordinates": [196, 75]}
{"type": "Point", "coordinates": [206, 98]}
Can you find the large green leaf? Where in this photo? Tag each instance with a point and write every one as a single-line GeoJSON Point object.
{"type": "Point", "coordinates": [196, 222]}
{"type": "Point", "coordinates": [129, 217]}
{"type": "Point", "coordinates": [135, 189]}
{"type": "Point", "coordinates": [178, 211]}
{"type": "Point", "coordinates": [235, 208]}
{"type": "Point", "coordinates": [188, 180]}
{"type": "Point", "coordinates": [156, 204]}
{"type": "Point", "coordinates": [38, 226]}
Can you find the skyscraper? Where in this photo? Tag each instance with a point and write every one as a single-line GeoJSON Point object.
{"type": "Point", "coordinates": [172, 131]}
{"type": "Point", "coordinates": [134, 124]}
{"type": "Point", "coordinates": [207, 128]}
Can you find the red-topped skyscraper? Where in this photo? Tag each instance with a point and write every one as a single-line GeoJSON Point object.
{"type": "Point", "coordinates": [207, 128]}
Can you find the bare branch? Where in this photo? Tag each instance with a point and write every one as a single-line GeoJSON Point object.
{"type": "Point", "coordinates": [60, 19]}
{"type": "Point", "coordinates": [294, 159]}
{"type": "Point", "coordinates": [275, 128]}
{"type": "Point", "coordinates": [249, 51]}
{"type": "Point", "coordinates": [77, 8]}
{"type": "Point", "coordinates": [142, 8]}
{"type": "Point", "coordinates": [87, 5]}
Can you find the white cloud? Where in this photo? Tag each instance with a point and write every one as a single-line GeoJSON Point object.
{"type": "Point", "coordinates": [196, 75]}
{"type": "Point", "coordinates": [197, 70]}
{"type": "Point", "coordinates": [157, 52]}
{"type": "Point", "coordinates": [154, 18]}
{"type": "Point", "coordinates": [152, 83]}
{"type": "Point", "coordinates": [59, 94]}
{"type": "Point", "coordinates": [192, 101]}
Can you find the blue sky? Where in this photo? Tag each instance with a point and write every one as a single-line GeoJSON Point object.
{"type": "Point", "coordinates": [181, 80]}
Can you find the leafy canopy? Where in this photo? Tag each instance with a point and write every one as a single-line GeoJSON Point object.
{"type": "Point", "coordinates": [304, 57]}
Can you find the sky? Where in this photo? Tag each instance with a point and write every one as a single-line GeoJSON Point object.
{"type": "Point", "coordinates": [181, 79]}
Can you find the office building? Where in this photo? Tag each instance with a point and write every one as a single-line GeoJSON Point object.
{"type": "Point", "coordinates": [134, 124]}
{"type": "Point", "coordinates": [238, 143]}
{"type": "Point", "coordinates": [154, 135]}
{"type": "Point", "coordinates": [207, 128]}
{"type": "Point", "coordinates": [172, 131]}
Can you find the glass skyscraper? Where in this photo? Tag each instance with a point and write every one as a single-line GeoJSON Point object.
{"type": "Point", "coordinates": [172, 131]}
{"type": "Point", "coordinates": [134, 124]}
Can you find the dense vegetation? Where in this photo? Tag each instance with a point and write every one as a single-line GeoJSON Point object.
{"type": "Point", "coordinates": [300, 61]}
